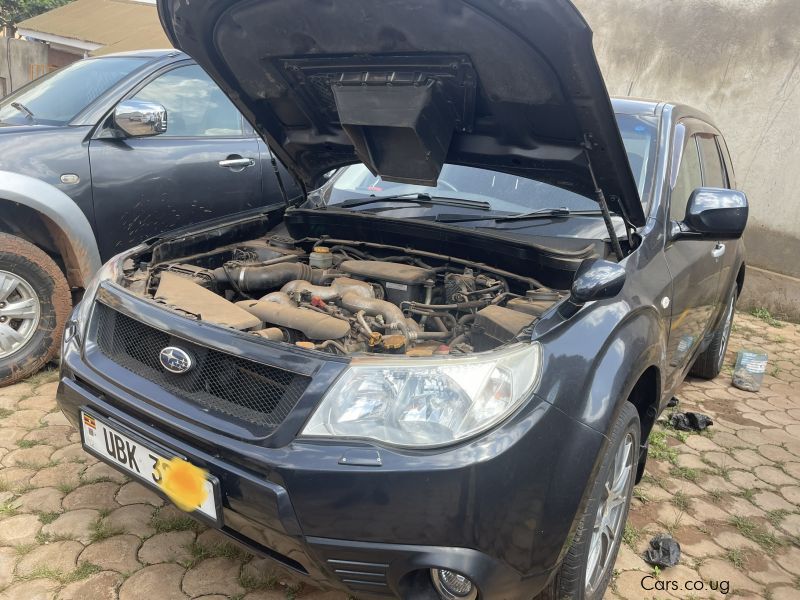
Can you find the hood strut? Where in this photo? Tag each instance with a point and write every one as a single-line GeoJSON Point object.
{"type": "Point", "coordinates": [279, 178]}
{"type": "Point", "coordinates": [601, 200]}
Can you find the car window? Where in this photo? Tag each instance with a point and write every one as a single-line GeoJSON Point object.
{"type": "Point", "coordinates": [196, 107]}
{"type": "Point", "coordinates": [713, 175]}
{"type": "Point", "coordinates": [688, 179]}
{"type": "Point", "coordinates": [59, 97]}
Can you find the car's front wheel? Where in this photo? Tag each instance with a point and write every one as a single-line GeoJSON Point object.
{"type": "Point", "coordinates": [34, 306]}
{"type": "Point", "coordinates": [589, 563]}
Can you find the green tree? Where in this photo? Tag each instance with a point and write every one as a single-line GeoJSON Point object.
{"type": "Point", "coordinates": [14, 11]}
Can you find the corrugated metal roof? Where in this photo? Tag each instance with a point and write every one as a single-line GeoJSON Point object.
{"type": "Point", "coordinates": [117, 25]}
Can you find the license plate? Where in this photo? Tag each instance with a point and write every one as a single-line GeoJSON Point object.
{"type": "Point", "coordinates": [139, 459]}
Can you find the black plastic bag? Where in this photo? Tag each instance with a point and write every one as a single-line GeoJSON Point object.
{"type": "Point", "coordinates": [663, 552]}
{"type": "Point", "coordinates": [690, 421]}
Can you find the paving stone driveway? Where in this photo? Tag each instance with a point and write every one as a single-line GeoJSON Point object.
{"type": "Point", "coordinates": [73, 528]}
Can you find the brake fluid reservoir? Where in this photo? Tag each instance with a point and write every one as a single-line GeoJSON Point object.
{"type": "Point", "coordinates": [320, 258]}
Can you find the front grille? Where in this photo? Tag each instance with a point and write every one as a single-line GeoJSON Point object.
{"type": "Point", "coordinates": [219, 382]}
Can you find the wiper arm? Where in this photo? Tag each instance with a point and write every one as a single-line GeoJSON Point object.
{"type": "Point", "coordinates": [420, 198]}
{"type": "Point", "coordinates": [24, 109]}
{"type": "Point", "coordinates": [544, 213]}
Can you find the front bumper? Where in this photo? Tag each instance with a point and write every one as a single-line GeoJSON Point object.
{"type": "Point", "coordinates": [499, 509]}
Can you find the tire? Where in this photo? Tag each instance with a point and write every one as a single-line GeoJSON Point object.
{"type": "Point", "coordinates": [709, 363]}
{"type": "Point", "coordinates": [571, 581]}
{"type": "Point", "coordinates": [36, 300]}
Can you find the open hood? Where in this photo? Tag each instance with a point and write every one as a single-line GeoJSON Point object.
{"type": "Point", "coordinates": [407, 85]}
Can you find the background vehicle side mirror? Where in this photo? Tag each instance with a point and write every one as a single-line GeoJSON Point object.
{"type": "Point", "coordinates": [714, 214]}
{"type": "Point", "coordinates": [596, 279]}
{"type": "Point", "coordinates": [139, 118]}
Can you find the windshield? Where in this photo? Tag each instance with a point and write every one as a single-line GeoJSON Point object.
{"type": "Point", "coordinates": [509, 193]}
{"type": "Point", "coordinates": [57, 98]}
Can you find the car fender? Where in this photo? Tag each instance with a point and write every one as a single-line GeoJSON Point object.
{"type": "Point", "coordinates": [65, 220]}
{"type": "Point", "coordinates": [591, 361]}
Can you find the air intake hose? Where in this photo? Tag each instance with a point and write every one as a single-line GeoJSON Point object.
{"type": "Point", "coordinates": [259, 278]}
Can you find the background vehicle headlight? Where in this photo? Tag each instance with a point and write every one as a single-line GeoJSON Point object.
{"type": "Point", "coordinates": [417, 402]}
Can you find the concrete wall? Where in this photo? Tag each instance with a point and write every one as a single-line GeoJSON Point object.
{"type": "Point", "coordinates": [16, 56]}
{"type": "Point", "coordinates": [739, 61]}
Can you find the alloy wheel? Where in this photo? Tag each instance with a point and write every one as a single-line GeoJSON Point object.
{"type": "Point", "coordinates": [609, 521]}
{"type": "Point", "coordinates": [20, 312]}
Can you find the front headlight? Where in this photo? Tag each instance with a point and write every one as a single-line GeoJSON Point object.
{"type": "Point", "coordinates": [418, 402]}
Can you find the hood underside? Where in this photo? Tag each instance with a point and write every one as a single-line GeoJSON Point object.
{"type": "Point", "coordinates": [405, 86]}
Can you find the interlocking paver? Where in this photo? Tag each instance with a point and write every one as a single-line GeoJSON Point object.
{"type": "Point", "coordinates": [60, 556]}
{"type": "Point", "coordinates": [78, 528]}
{"type": "Point", "coordinates": [100, 586]}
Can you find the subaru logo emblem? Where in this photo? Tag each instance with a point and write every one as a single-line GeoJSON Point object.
{"type": "Point", "coordinates": [175, 360]}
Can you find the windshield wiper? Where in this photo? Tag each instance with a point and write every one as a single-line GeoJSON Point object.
{"type": "Point", "coordinates": [420, 198]}
{"type": "Point", "coordinates": [542, 213]}
{"type": "Point", "coordinates": [22, 108]}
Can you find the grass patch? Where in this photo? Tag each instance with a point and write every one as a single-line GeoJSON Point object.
{"type": "Point", "coordinates": [776, 516]}
{"type": "Point", "coordinates": [293, 590]}
{"type": "Point", "coordinates": [23, 549]}
{"type": "Point", "coordinates": [736, 557]}
{"type": "Point", "coordinates": [749, 494]}
{"type": "Point", "coordinates": [659, 449]}
{"type": "Point", "coordinates": [28, 443]}
{"type": "Point", "coordinates": [66, 488]}
{"type": "Point", "coordinates": [42, 377]}
{"type": "Point", "coordinates": [82, 572]}
{"type": "Point", "coordinates": [199, 553]}
{"type": "Point", "coordinates": [716, 496]}
{"type": "Point", "coordinates": [749, 529]}
{"type": "Point", "coordinates": [5, 412]}
{"type": "Point", "coordinates": [681, 501]}
{"type": "Point", "coordinates": [98, 479]}
{"type": "Point", "coordinates": [42, 572]}
{"type": "Point", "coordinates": [251, 580]}
{"type": "Point", "coordinates": [764, 315]}
{"type": "Point", "coordinates": [631, 536]}
{"type": "Point", "coordinates": [640, 495]}
{"type": "Point", "coordinates": [673, 527]}
{"type": "Point", "coordinates": [684, 473]}
{"type": "Point", "coordinates": [35, 466]}
{"type": "Point", "coordinates": [164, 523]}
{"type": "Point", "coordinates": [7, 509]}
{"type": "Point", "coordinates": [48, 517]}
{"type": "Point", "coordinates": [102, 530]}
{"type": "Point", "coordinates": [721, 471]}
{"type": "Point", "coordinates": [653, 480]}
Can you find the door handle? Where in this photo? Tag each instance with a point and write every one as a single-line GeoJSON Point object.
{"type": "Point", "coordinates": [236, 162]}
{"type": "Point", "coordinates": [718, 250]}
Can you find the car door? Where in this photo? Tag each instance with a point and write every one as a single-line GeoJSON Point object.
{"type": "Point", "coordinates": [693, 264]}
{"type": "Point", "coordinates": [715, 174]}
{"type": "Point", "coordinates": [205, 165]}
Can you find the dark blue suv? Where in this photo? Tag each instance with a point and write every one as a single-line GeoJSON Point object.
{"type": "Point", "coordinates": [435, 377]}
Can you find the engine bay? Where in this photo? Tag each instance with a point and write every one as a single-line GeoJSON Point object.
{"type": "Point", "coordinates": [347, 297]}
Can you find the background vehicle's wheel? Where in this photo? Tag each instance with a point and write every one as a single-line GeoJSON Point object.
{"type": "Point", "coordinates": [34, 305]}
{"type": "Point", "coordinates": [589, 564]}
{"type": "Point", "coordinates": [709, 363]}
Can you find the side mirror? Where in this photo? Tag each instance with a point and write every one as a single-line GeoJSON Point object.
{"type": "Point", "coordinates": [714, 214]}
{"type": "Point", "coordinates": [139, 118]}
{"type": "Point", "coordinates": [596, 279]}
